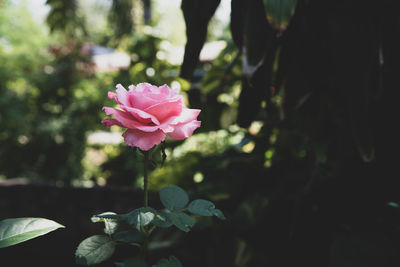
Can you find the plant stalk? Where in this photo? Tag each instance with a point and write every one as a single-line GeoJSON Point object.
{"type": "Point", "coordinates": [146, 178]}
{"type": "Point", "coordinates": [147, 155]}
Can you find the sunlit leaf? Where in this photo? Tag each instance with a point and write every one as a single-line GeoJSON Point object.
{"type": "Point", "coordinates": [162, 219]}
{"type": "Point", "coordinates": [110, 225]}
{"type": "Point", "coordinates": [17, 230]}
{"type": "Point", "coordinates": [94, 249]}
{"type": "Point", "coordinates": [140, 217]}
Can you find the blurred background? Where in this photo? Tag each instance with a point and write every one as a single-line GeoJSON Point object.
{"type": "Point", "coordinates": [298, 144]}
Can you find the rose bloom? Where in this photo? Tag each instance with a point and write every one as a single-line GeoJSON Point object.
{"type": "Point", "coordinates": [149, 113]}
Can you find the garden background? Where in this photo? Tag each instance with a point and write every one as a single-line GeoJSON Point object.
{"type": "Point", "coordinates": [298, 144]}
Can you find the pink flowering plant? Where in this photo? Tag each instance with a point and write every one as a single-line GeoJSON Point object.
{"type": "Point", "coordinates": [148, 113]}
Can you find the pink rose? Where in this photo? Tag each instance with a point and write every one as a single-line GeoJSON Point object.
{"type": "Point", "coordinates": [149, 113]}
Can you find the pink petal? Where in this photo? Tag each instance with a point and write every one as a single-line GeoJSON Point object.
{"type": "Point", "coordinates": [145, 95]}
{"type": "Point", "coordinates": [184, 130]}
{"type": "Point", "coordinates": [164, 89]}
{"type": "Point", "coordinates": [141, 87]}
{"type": "Point", "coordinates": [128, 121]}
{"type": "Point", "coordinates": [124, 118]}
{"type": "Point", "coordinates": [166, 109]}
{"type": "Point", "coordinates": [111, 95]}
{"type": "Point", "coordinates": [111, 122]}
{"type": "Point", "coordinates": [188, 114]}
{"type": "Point", "coordinates": [143, 140]}
{"type": "Point", "coordinates": [122, 95]}
{"type": "Point", "coordinates": [141, 100]}
{"type": "Point", "coordinates": [141, 115]}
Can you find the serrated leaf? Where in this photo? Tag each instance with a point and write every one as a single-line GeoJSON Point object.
{"type": "Point", "coordinates": [201, 207]}
{"type": "Point", "coordinates": [130, 236]}
{"type": "Point", "coordinates": [162, 219]}
{"type": "Point", "coordinates": [17, 230]}
{"type": "Point", "coordinates": [140, 217]}
{"type": "Point", "coordinates": [173, 197]}
{"type": "Point", "coordinates": [94, 249]}
{"type": "Point", "coordinates": [182, 221]}
{"type": "Point", "coordinates": [171, 262]}
{"type": "Point", "coordinates": [110, 225]}
{"type": "Point", "coordinates": [132, 262]}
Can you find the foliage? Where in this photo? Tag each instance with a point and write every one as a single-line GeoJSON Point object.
{"type": "Point", "coordinates": [301, 98]}
{"type": "Point", "coordinates": [144, 220]}
{"type": "Point", "coordinates": [18, 230]}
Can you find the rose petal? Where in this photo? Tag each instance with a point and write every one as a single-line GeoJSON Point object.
{"type": "Point", "coordinates": [143, 140]}
{"type": "Point", "coordinates": [141, 100]}
{"type": "Point", "coordinates": [122, 95]}
{"type": "Point", "coordinates": [166, 109]}
{"type": "Point", "coordinates": [164, 89]}
{"type": "Point", "coordinates": [145, 95]}
{"type": "Point", "coordinates": [141, 115]}
{"type": "Point", "coordinates": [111, 122]}
{"type": "Point", "coordinates": [184, 130]}
{"type": "Point", "coordinates": [140, 87]}
{"type": "Point", "coordinates": [128, 121]}
{"type": "Point", "coordinates": [111, 95]}
{"type": "Point", "coordinates": [188, 114]}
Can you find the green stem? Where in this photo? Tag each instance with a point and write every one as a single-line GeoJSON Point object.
{"type": "Point", "coordinates": [146, 178]}
{"type": "Point", "coordinates": [147, 155]}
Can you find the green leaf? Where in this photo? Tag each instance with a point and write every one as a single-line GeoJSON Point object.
{"type": "Point", "coordinates": [181, 220]}
{"type": "Point", "coordinates": [110, 225]}
{"type": "Point", "coordinates": [132, 262]}
{"type": "Point", "coordinates": [197, 14]}
{"type": "Point", "coordinates": [201, 207]}
{"type": "Point", "coordinates": [130, 236]}
{"type": "Point", "coordinates": [94, 249]}
{"type": "Point", "coordinates": [255, 36]}
{"type": "Point", "coordinates": [218, 213]}
{"type": "Point", "coordinates": [205, 208]}
{"type": "Point", "coordinates": [162, 219]}
{"type": "Point", "coordinates": [279, 12]}
{"type": "Point", "coordinates": [238, 13]}
{"type": "Point", "coordinates": [173, 197]}
{"type": "Point", "coordinates": [17, 230]}
{"type": "Point", "coordinates": [106, 215]}
{"type": "Point", "coordinates": [171, 262]}
{"type": "Point", "coordinates": [140, 217]}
